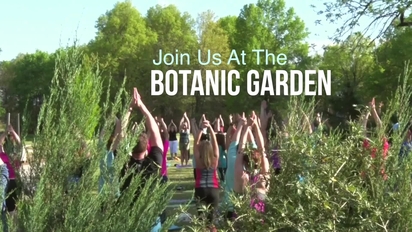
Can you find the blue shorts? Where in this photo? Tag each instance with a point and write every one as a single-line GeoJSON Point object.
{"type": "Point", "coordinates": [158, 226]}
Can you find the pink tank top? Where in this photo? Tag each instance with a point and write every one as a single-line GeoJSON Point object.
{"type": "Point", "coordinates": [148, 147]}
{"type": "Point", "coordinates": [374, 151]}
{"type": "Point", "coordinates": [164, 159]}
{"type": "Point", "coordinates": [257, 203]}
{"type": "Point", "coordinates": [206, 178]}
{"type": "Point", "coordinates": [6, 160]}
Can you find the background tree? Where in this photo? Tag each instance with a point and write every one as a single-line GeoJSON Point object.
{"type": "Point", "coordinates": [352, 63]}
{"type": "Point", "coordinates": [63, 203]}
{"type": "Point", "coordinates": [212, 39]}
{"type": "Point", "coordinates": [392, 56]}
{"type": "Point", "coordinates": [174, 31]}
{"type": "Point", "coordinates": [268, 24]}
{"type": "Point", "coordinates": [27, 80]}
{"type": "Point", "coordinates": [372, 13]}
{"type": "Point", "coordinates": [126, 43]}
{"type": "Point", "coordinates": [120, 43]}
{"type": "Point", "coordinates": [228, 24]}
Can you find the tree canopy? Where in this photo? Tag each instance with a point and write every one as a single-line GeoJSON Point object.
{"type": "Point", "coordinates": [127, 41]}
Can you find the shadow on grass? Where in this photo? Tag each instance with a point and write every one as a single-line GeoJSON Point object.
{"type": "Point", "coordinates": [182, 182]}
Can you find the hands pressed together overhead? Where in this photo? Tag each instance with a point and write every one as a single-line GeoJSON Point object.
{"type": "Point", "coordinates": [136, 100]}
{"type": "Point", "coordinates": [10, 128]}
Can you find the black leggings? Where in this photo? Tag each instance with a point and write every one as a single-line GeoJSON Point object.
{"type": "Point", "coordinates": [231, 215]}
{"type": "Point", "coordinates": [163, 216]}
{"type": "Point", "coordinates": [11, 195]}
{"type": "Point", "coordinates": [210, 198]}
{"type": "Point", "coordinates": [222, 173]}
{"type": "Point", "coordinates": [194, 173]}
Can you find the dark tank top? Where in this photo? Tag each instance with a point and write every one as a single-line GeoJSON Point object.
{"type": "Point", "coordinates": [172, 136]}
{"type": "Point", "coordinates": [184, 137]}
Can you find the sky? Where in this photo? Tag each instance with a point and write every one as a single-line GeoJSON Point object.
{"type": "Point", "coordinates": [46, 25]}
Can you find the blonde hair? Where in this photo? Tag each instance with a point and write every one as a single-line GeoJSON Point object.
{"type": "Point", "coordinates": [206, 153]}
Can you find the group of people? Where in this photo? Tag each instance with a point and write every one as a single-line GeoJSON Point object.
{"type": "Point", "coordinates": [239, 157]}
{"type": "Point", "coordinates": [234, 159]}
{"type": "Point", "coordinates": [183, 145]}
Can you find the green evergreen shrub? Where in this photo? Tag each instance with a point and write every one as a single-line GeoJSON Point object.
{"type": "Point", "coordinates": [67, 122]}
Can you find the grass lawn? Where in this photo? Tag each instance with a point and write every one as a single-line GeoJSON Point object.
{"type": "Point", "coordinates": [182, 177]}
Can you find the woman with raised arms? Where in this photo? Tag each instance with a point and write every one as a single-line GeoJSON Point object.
{"type": "Point", "coordinates": [174, 144]}
{"type": "Point", "coordinates": [221, 141]}
{"type": "Point", "coordinates": [206, 154]}
{"type": "Point", "coordinates": [184, 143]}
{"type": "Point", "coordinates": [252, 165]}
{"type": "Point", "coordinates": [231, 160]}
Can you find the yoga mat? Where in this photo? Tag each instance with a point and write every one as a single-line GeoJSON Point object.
{"type": "Point", "coordinates": [188, 166]}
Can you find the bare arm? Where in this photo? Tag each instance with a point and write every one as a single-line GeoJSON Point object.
{"type": "Point", "coordinates": [374, 113]}
{"type": "Point", "coordinates": [125, 121]}
{"type": "Point", "coordinates": [259, 137]}
{"type": "Point", "coordinates": [365, 121]}
{"type": "Point", "coordinates": [117, 134]}
{"type": "Point", "coordinates": [306, 123]}
{"type": "Point", "coordinates": [169, 127]}
{"type": "Point", "coordinates": [260, 126]}
{"type": "Point", "coordinates": [164, 129]}
{"type": "Point", "coordinates": [15, 136]}
{"type": "Point", "coordinates": [181, 123]}
{"type": "Point", "coordinates": [214, 141]}
{"type": "Point", "coordinates": [246, 135]}
{"type": "Point", "coordinates": [380, 108]}
{"type": "Point", "coordinates": [376, 117]}
{"type": "Point", "coordinates": [217, 125]}
{"type": "Point", "coordinates": [187, 121]}
{"type": "Point", "coordinates": [155, 138]}
{"type": "Point", "coordinates": [174, 125]}
{"type": "Point", "coordinates": [202, 119]}
{"type": "Point", "coordinates": [121, 127]}
{"type": "Point", "coordinates": [3, 138]}
{"type": "Point", "coordinates": [222, 123]}
{"type": "Point", "coordinates": [264, 169]}
{"type": "Point", "coordinates": [197, 142]}
{"type": "Point", "coordinates": [238, 133]}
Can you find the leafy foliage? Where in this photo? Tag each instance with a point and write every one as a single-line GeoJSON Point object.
{"type": "Point", "coordinates": [372, 14]}
{"type": "Point", "coordinates": [83, 88]}
{"type": "Point", "coordinates": [2, 110]}
{"type": "Point", "coordinates": [321, 186]}
{"type": "Point", "coordinates": [67, 120]}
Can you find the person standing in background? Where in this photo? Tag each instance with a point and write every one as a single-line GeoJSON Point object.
{"type": "Point", "coordinates": [173, 143]}
{"type": "Point", "coordinates": [184, 143]}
